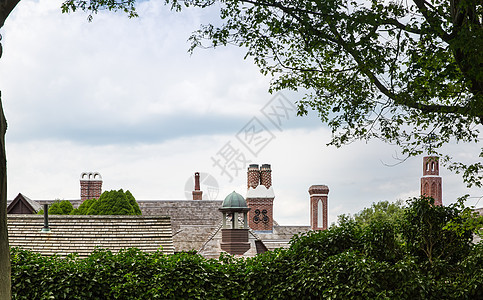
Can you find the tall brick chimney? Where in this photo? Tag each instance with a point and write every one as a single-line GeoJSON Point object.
{"type": "Point", "coordinates": [431, 182]}
{"type": "Point", "coordinates": [90, 185]}
{"type": "Point", "coordinates": [197, 193]}
{"type": "Point", "coordinates": [318, 207]}
{"type": "Point", "coordinates": [266, 175]}
{"type": "Point", "coordinates": [260, 198]}
{"type": "Point", "coordinates": [253, 176]}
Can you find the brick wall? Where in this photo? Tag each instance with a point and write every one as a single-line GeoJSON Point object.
{"type": "Point", "coordinates": [431, 182]}
{"type": "Point", "coordinates": [260, 216]}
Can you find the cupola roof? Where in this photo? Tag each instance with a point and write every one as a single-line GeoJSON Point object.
{"type": "Point", "coordinates": [234, 200]}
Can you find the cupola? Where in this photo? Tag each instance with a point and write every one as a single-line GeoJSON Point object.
{"type": "Point", "coordinates": [234, 239]}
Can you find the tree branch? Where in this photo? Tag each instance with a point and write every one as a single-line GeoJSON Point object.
{"type": "Point", "coordinates": [6, 7]}
{"type": "Point", "coordinates": [434, 22]}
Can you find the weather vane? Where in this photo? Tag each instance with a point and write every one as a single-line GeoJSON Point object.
{"type": "Point", "coordinates": [431, 138]}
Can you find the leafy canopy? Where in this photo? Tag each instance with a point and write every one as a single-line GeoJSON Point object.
{"type": "Point", "coordinates": [381, 211]}
{"type": "Point", "coordinates": [63, 207]}
{"type": "Point", "coordinates": [406, 72]}
{"type": "Point", "coordinates": [114, 203]}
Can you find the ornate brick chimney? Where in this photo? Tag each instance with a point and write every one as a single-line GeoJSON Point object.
{"type": "Point", "coordinates": [431, 182]}
{"type": "Point", "coordinates": [266, 175]}
{"type": "Point", "coordinates": [197, 193]}
{"type": "Point", "coordinates": [253, 176]}
{"type": "Point", "coordinates": [90, 185]}
{"type": "Point", "coordinates": [260, 198]}
{"type": "Point", "coordinates": [318, 207]}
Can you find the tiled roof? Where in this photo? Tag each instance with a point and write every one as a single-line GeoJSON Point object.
{"type": "Point", "coordinates": [281, 235]}
{"type": "Point", "coordinates": [82, 234]}
{"type": "Point", "coordinates": [22, 204]}
{"type": "Point", "coordinates": [192, 220]}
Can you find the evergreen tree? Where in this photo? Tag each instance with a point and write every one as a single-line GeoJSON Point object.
{"type": "Point", "coordinates": [114, 203]}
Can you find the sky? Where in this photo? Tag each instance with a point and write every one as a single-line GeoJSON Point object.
{"type": "Point", "coordinates": [123, 97]}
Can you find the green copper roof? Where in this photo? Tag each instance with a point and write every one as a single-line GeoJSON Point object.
{"type": "Point", "coordinates": [234, 200]}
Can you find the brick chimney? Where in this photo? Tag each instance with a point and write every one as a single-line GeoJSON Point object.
{"type": "Point", "coordinates": [260, 198]}
{"type": "Point", "coordinates": [318, 207]}
{"type": "Point", "coordinates": [431, 182]}
{"type": "Point", "coordinates": [197, 193]}
{"type": "Point", "coordinates": [90, 185]}
{"type": "Point", "coordinates": [253, 176]}
{"type": "Point", "coordinates": [266, 175]}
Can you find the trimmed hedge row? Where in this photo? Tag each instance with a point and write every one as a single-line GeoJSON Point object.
{"type": "Point", "coordinates": [281, 274]}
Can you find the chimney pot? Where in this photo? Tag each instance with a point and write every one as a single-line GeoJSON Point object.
{"type": "Point", "coordinates": [197, 193]}
{"type": "Point", "coordinates": [90, 185]}
{"type": "Point", "coordinates": [46, 227]}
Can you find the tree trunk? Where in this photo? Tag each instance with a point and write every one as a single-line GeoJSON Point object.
{"type": "Point", "coordinates": [5, 286]}
{"type": "Point", "coordinates": [6, 7]}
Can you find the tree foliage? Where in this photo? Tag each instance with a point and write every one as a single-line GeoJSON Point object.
{"type": "Point", "coordinates": [380, 211]}
{"type": "Point", "coordinates": [83, 208]}
{"type": "Point", "coordinates": [114, 203]}
{"type": "Point", "coordinates": [432, 233]}
{"type": "Point", "coordinates": [406, 72]}
{"type": "Point", "coordinates": [63, 207]}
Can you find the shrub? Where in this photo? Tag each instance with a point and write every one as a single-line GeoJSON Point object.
{"type": "Point", "coordinates": [114, 203]}
{"type": "Point", "coordinates": [83, 208]}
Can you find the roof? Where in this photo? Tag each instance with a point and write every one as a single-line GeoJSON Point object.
{"type": "Point", "coordinates": [192, 221]}
{"type": "Point", "coordinates": [234, 200]}
{"type": "Point", "coordinates": [281, 235]}
{"type": "Point", "coordinates": [82, 234]}
{"type": "Point", "coordinates": [211, 248]}
{"type": "Point", "coordinates": [22, 205]}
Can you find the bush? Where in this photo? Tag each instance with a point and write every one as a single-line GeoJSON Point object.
{"type": "Point", "coordinates": [83, 208]}
{"type": "Point", "coordinates": [63, 207]}
{"type": "Point", "coordinates": [114, 203]}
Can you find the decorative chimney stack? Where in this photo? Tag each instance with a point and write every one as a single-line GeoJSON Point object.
{"type": "Point", "coordinates": [253, 176]}
{"type": "Point", "coordinates": [197, 193]}
{"type": "Point", "coordinates": [318, 206]}
{"type": "Point", "coordinates": [431, 182]}
{"type": "Point", "coordinates": [260, 198]}
{"type": "Point", "coordinates": [266, 176]}
{"type": "Point", "coordinates": [90, 185]}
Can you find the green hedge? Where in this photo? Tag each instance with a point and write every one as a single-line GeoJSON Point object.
{"type": "Point", "coordinates": [132, 274]}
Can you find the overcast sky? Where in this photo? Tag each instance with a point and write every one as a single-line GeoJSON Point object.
{"type": "Point", "coordinates": [124, 98]}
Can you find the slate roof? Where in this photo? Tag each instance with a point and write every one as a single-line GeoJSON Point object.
{"type": "Point", "coordinates": [23, 204]}
{"type": "Point", "coordinates": [211, 248]}
{"type": "Point", "coordinates": [82, 234]}
{"type": "Point", "coordinates": [281, 235]}
{"type": "Point", "coordinates": [192, 221]}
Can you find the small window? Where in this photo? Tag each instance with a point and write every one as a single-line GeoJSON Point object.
{"type": "Point", "coordinates": [320, 215]}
